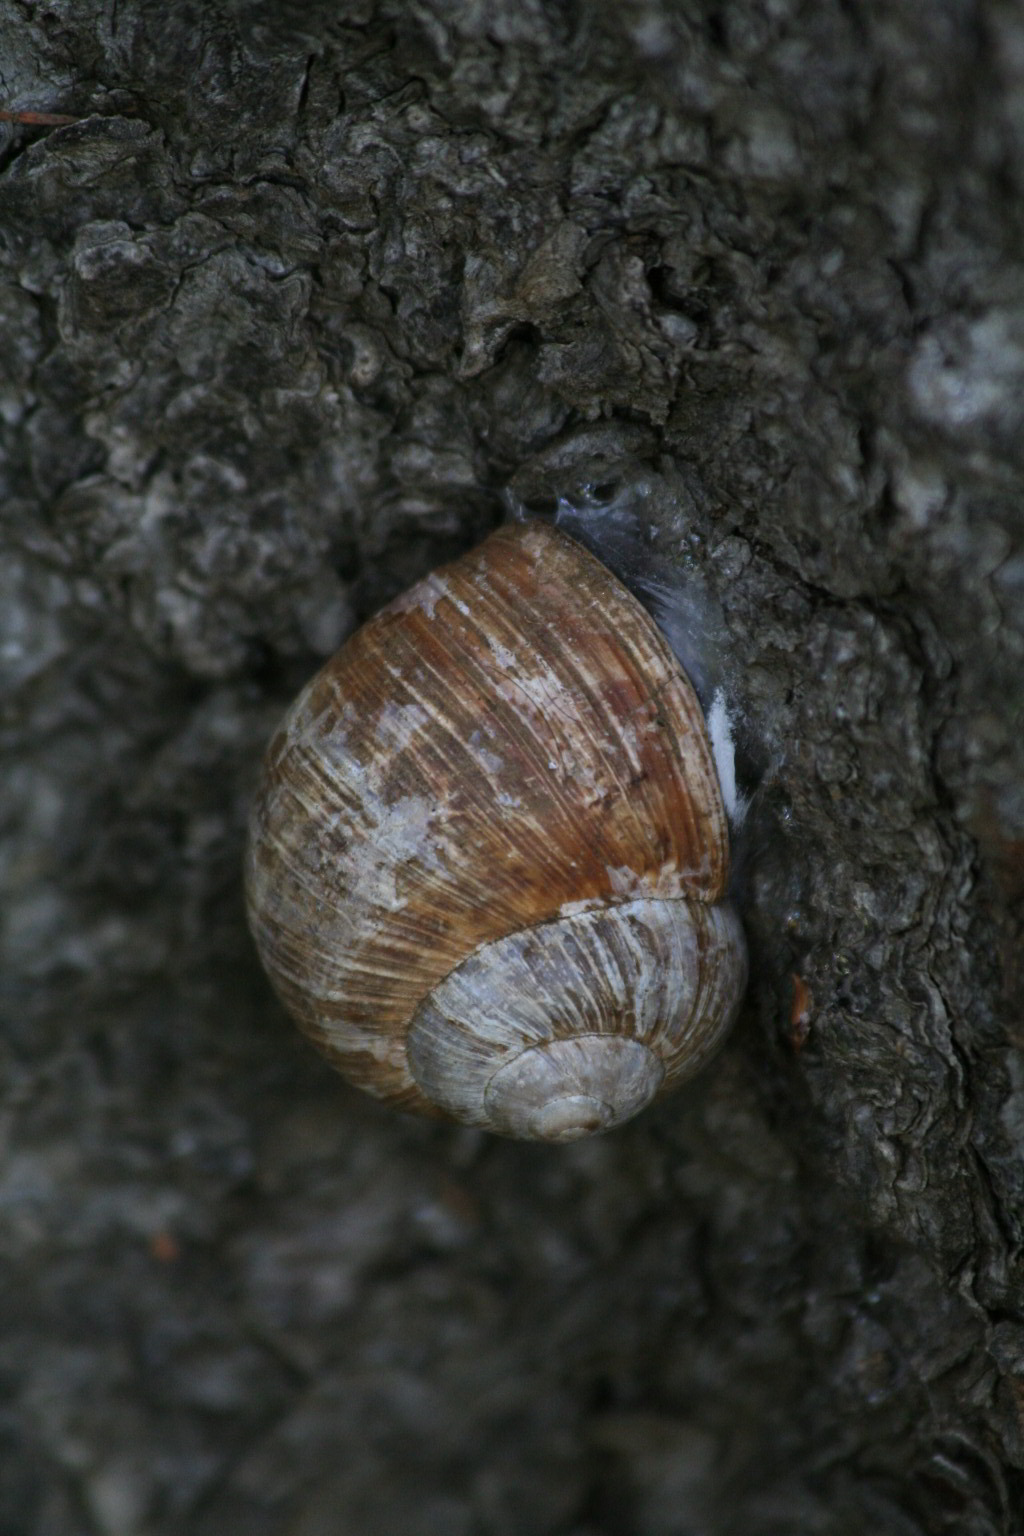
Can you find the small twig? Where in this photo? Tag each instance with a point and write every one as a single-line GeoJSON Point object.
{"type": "Point", "coordinates": [38, 119]}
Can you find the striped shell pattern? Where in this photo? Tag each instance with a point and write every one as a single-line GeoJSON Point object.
{"type": "Point", "coordinates": [488, 860]}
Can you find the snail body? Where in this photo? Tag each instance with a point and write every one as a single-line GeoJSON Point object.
{"type": "Point", "coordinates": [488, 861]}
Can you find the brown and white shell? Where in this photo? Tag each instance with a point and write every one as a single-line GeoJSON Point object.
{"type": "Point", "coordinates": [488, 858]}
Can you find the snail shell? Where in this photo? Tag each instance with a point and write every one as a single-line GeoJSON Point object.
{"type": "Point", "coordinates": [488, 859]}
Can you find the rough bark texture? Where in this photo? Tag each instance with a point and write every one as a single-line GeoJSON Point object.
{"type": "Point", "coordinates": [281, 314]}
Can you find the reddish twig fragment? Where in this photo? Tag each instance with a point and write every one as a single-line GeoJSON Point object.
{"type": "Point", "coordinates": [800, 1012]}
{"type": "Point", "coordinates": [38, 119]}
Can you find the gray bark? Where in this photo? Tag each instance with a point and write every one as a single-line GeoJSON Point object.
{"type": "Point", "coordinates": [282, 312]}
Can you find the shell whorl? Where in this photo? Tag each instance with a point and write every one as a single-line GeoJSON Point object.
{"type": "Point", "coordinates": [488, 858]}
{"type": "Point", "coordinates": [572, 1027]}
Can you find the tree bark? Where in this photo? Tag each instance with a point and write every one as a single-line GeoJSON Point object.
{"type": "Point", "coordinates": [285, 308]}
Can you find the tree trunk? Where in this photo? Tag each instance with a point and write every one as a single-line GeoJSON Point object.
{"type": "Point", "coordinates": [285, 307]}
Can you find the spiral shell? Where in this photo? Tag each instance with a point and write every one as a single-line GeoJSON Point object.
{"type": "Point", "coordinates": [488, 860]}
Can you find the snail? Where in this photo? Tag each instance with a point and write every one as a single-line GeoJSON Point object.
{"type": "Point", "coordinates": [488, 861]}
